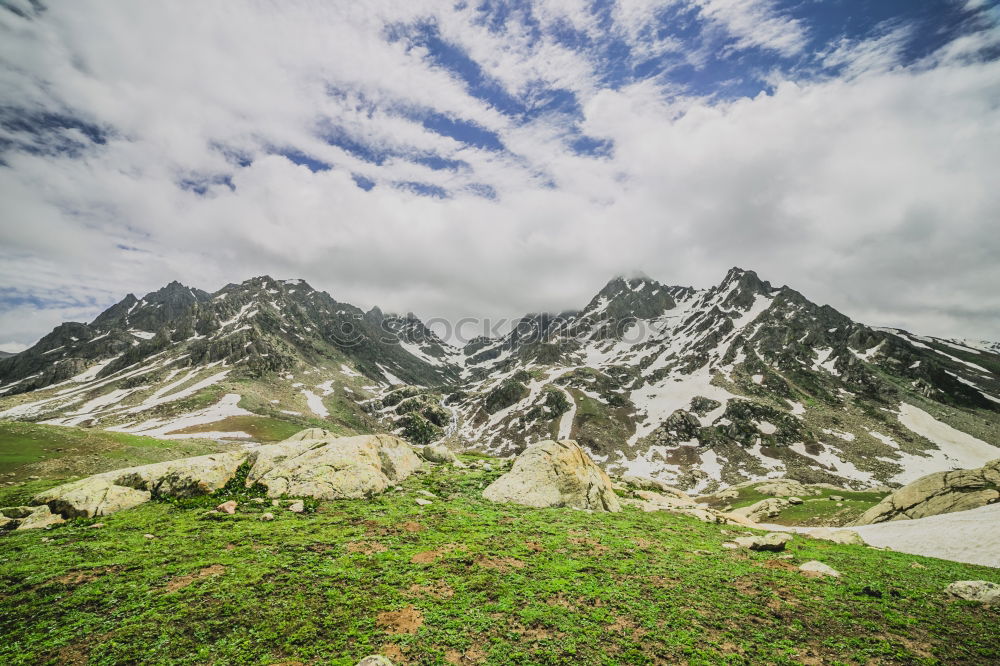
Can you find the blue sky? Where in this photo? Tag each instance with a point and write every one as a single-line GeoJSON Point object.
{"type": "Point", "coordinates": [492, 158]}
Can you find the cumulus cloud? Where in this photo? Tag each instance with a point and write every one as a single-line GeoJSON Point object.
{"type": "Point", "coordinates": [505, 169]}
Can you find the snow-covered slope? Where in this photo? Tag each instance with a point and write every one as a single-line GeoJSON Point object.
{"type": "Point", "coordinates": [700, 387]}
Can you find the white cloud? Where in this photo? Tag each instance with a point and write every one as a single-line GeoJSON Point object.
{"type": "Point", "coordinates": [874, 193]}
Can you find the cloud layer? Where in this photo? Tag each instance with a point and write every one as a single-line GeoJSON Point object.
{"type": "Point", "coordinates": [496, 159]}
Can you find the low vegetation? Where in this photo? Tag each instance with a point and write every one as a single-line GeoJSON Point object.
{"type": "Point", "coordinates": [463, 581]}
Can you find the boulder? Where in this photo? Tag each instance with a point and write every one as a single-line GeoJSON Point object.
{"type": "Point", "coordinates": [90, 497]}
{"type": "Point", "coordinates": [333, 468]}
{"type": "Point", "coordinates": [848, 537]}
{"type": "Point", "coordinates": [760, 511]}
{"type": "Point", "coordinates": [646, 483]}
{"type": "Point", "coordinates": [40, 517]}
{"type": "Point", "coordinates": [375, 660]}
{"type": "Point", "coordinates": [941, 492]}
{"type": "Point", "coordinates": [556, 474]}
{"type": "Point", "coordinates": [783, 488]}
{"type": "Point", "coordinates": [227, 507]}
{"type": "Point", "coordinates": [438, 453]}
{"type": "Point", "coordinates": [772, 542]}
{"type": "Point", "coordinates": [982, 591]}
{"type": "Point", "coordinates": [185, 477]}
{"type": "Point", "coordinates": [817, 568]}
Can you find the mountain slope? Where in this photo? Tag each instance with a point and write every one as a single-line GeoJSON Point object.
{"type": "Point", "coordinates": [699, 387]}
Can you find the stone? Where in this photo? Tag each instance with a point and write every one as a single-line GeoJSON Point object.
{"type": "Point", "coordinates": [941, 492]}
{"type": "Point", "coordinates": [259, 500]}
{"type": "Point", "coordinates": [333, 468]}
{"type": "Point", "coordinates": [646, 483]}
{"type": "Point", "coordinates": [227, 507]}
{"type": "Point", "coordinates": [847, 537]}
{"type": "Point", "coordinates": [96, 526]}
{"type": "Point", "coordinates": [836, 498]}
{"type": "Point", "coordinates": [759, 512]}
{"type": "Point", "coordinates": [817, 568]}
{"type": "Point", "coordinates": [91, 497]}
{"type": "Point", "coordinates": [148, 536]}
{"type": "Point", "coordinates": [771, 542]}
{"type": "Point", "coordinates": [437, 453]}
{"type": "Point", "coordinates": [782, 488]}
{"type": "Point", "coordinates": [555, 474]}
{"type": "Point", "coordinates": [297, 506]}
{"type": "Point", "coordinates": [186, 477]}
{"type": "Point", "coordinates": [17, 511]}
{"type": "Point", "coordinates": [375, 660]}
{"type": "Point", "coordinates": [423, 502]}
{"type": "Point", "coordinates": [267, 517]}
{"type": "Point", "coordinates": [981, 591]}
{"type": "Point", "coordinates": [795, 500]}
{"type": "Point", "coordinates": [426, 493]}
{"type": "Point", "coordinates": [40, 517]}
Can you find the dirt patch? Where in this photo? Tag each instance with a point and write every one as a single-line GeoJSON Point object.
{"type": "Point", "coordinates": [534, 546]}
{"type": "Point", "coordinates": [428, 556]}
{"type": "Point", "coordinates": [438, 589]}
{"type": "Point", "coordinates": [595, 547]}
{"type": "Point", "coordinates": [395, 653]}
{"type": "Point", "coordinates": [78, 653]}
{"type": "Point", "coordinates": [783, 565]}
{"type": "Point", "coordinates": [474, 655]}
{"type": "Point", "coordinates": [644, 544]}
{"type": "Point", "coordinates": [180, 582]}
{"type": "Point", "coordinates": [366, 547]}
{"type": "Point", "coordinates": [501, 564]}
{"type": "Point", "coordinates": [406, 620]}
{"type": "Point", "coordinates": [83, 576]}
{"type": "Point", "coordinates": [320, 547]}
{"type": "Point", "coordinates": [411, 526]}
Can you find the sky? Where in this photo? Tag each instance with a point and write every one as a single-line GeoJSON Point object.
{"type": "Point", "coordinates": [488, 159]}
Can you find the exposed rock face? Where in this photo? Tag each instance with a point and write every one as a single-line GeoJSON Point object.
{"type": "Point", "coordinates": [942, 492]}
{"type": "Point", "coordinates": [40, 517]}
{"type": "Point", "coordinates": [762, 510]}
{"type": "Point", "coordinates": [182, 478]}
{"type": "Point", "coordinates": [307, 464]}
{"type": "Point", "coordinates": [335, 468]}
{"type": "Point", "coordinates": [93, 496]}
{"type": "Point", "coordinates": [555, 474]}
{"type": "Point", "coordinates": [683, 505]}
{"type": "Point", "coordinates": [645, 483]}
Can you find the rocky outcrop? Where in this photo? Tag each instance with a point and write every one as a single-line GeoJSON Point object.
{"type": "Point", "coordinates": [336, 468]}
{"type": "Point", "coordinates": [439, 453]}
{"type": "Point", "coordinates": [90, 497]}
{"type": "Point", "coordinates": [981, 591]}
{"type": "Point", "coordinates": [311, 463]}
{"type": "Point", "coordinates": [28, 518]}
{"type": "Point", "coordinates": [941, 492]}
{"type": "Point", "coordinates": [682, 505]}
{"type": "Point", "coordinates": [555, 474]}
{"type": "Point", "coordinates": [762, 510]}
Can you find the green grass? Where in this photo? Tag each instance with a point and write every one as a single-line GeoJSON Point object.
{"type": "Point", "coordinates": [498, 584]}
{"type": "Point", "coordinates": [31, 443]}
{"type": "Point", "coordinates": [815, 509]}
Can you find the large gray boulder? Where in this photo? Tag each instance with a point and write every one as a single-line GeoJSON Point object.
{"type": "Point", "coordinates": [982, 591]}
{"type": "Point", "coordinates": [759, 512]}
{"type": "Point", "coordinates": [185, 477]}
{"type": "Point", "coordinates": [941, 492]}
{"type": "Point", "coordinates": [333, 468]}
{"type": "Point", "coordinates": [93, 496]}
{"type": "Point", "coordinates": [556, 474]}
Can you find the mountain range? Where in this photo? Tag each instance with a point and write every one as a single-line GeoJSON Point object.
{"type": "Point", "coordinates": [698, 387]}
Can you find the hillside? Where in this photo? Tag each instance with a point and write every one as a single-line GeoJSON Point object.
{"type": "Point", "coordinates": [464, 581]}
{"type": "Point", "coordinates": [699, 387]}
